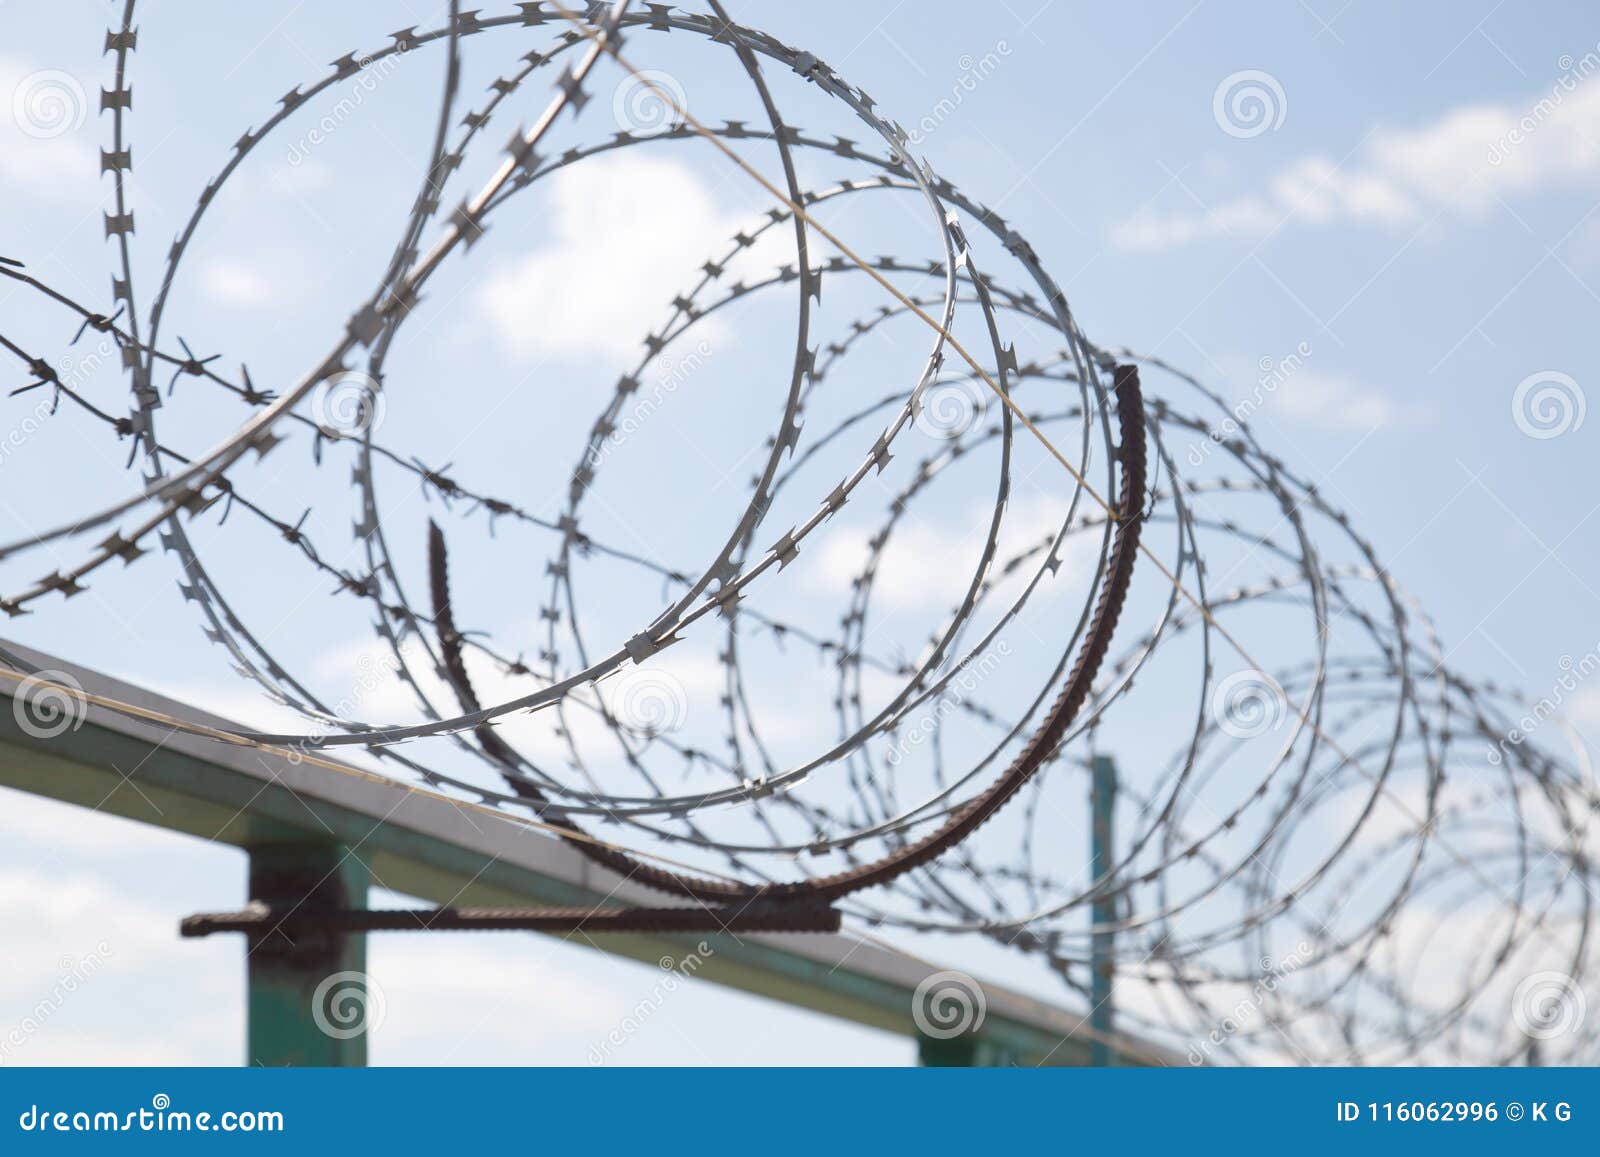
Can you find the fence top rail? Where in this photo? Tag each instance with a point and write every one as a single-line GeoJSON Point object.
{"type": "Point", "coordinates": [428, 845]}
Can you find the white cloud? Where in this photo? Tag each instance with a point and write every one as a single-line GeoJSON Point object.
{"type": "Point", "coordinates": [43, 828]}
{"type": "Point", "coordinates": [82, 943]}
{"type": "Point", "coordinates": [299, 179]}
{"type": "Point", "coordinates": [452, 994]}
{"type": "Point", "coordinates": [1337, 401]}
{"type": "Point", "coordinates": [920, 569]}
{"type": "Point", "coordinates": [235, 284]}
{"type": "Point", "coordinates": [1459, 166]}
{"type": "Point", "coordinates": [57, 161]}
{"type": "Point", "coordinates": [679, 689]}
{"type": "Point", "coordinates": [929, 560]}
{"type": "Point", "coordinates": [628, 235]}
{"type": "Point", "coordinates": [1586, 709]}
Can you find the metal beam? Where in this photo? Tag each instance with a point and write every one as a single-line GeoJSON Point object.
{"type": "Point", "coordinates": [421, 844]}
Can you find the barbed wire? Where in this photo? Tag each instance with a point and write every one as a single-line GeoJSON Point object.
{"type": "Point", "coordinates": [1314, 813]}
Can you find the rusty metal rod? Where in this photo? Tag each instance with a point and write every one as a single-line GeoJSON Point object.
{"type": "Point", "coordinates": [261, 918]}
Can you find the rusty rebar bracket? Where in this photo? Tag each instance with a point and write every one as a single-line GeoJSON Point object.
{"type": "Point", "coordinates": [261, 919]}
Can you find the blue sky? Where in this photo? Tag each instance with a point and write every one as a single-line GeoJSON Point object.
{"type": "Point", "coordinates": [1415, 212]}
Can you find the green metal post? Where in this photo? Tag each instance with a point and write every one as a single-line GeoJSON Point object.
{"type": "Point", "coordinates": [1103, 911]}
{"type": "Point", "coordinates": [309, 1002]}
{"type": "Point", "coordinates": [969, 1050]}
